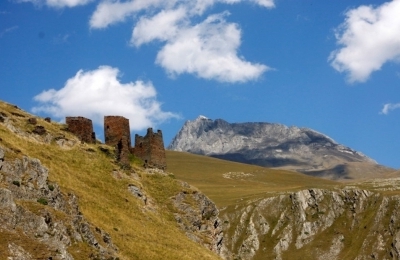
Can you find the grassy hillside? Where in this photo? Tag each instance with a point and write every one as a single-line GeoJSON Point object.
{"type": "Point", "coordinates": [139, 231]}
{"type": "Point", "coordinates": [149, 230]}
{"type": "Point", "coordinates": [228, 183]}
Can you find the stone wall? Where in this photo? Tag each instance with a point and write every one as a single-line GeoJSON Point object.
{"type": "Point", "coordinates": [81, 127]}
{"type": "Point", "coordinates": [150, 148]}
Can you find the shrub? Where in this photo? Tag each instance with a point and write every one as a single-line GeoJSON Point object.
{"type": "Point", "coordinates": [16, 183]}
{"type": "Point", "coordinates": [42, 201]}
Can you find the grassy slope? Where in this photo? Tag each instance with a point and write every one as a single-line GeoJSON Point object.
{"type": "Point", "coordinates": [206, 173]}
{"type": "Point", "coordinates": [105, 200]}
{"type": "Point", "coordinates": [137, 232]}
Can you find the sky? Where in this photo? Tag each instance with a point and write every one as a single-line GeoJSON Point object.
{"type": "Point", "coordinates": [332, 65]}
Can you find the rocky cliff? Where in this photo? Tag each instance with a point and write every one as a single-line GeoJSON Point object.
{"type": "Point", "coordinates": [38, 221]}
{"type": "Point", "coordinates": [273, 145]}
{"type": "Point", "coordinates": [347, 223]}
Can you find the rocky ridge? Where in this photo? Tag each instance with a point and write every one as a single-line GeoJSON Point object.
{"type": "Point", "coordinates": [347, 223]}
{"type": "Point", "coordinates": [198, 216]}
{"type": "Point", "coordinates": [272, 145]}
{"type": "Point", "coordinates": [35, 210]}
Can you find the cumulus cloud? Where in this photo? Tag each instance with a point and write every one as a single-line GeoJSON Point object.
{"type": "Point", "coordinates": [110, 12]}
{"type": "Point", "coordinates": [369, 37]}
{"type": "Point", "coordinates": [265, 3]}
{"type": "Point", "coordinates": [57, 3]}
{"type": "Point", "coordinates": [94, 94]}
{"type": "Point", "coordinates": [389, 107]}
{"type": "Point", "coordinates": [207, 49]}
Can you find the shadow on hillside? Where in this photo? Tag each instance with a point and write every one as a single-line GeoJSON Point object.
{"type": "Point", "coordinates": [339, 172]}
{"type": "Point", "coordinates": [266, 162]}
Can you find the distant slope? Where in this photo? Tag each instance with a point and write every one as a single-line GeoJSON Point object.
{"type": "Point", "coordinates": [274, 145]}
{"type": "Point", "coordinates": [278, 214]}
{"type": "Point", "coordinates": [229, 183]}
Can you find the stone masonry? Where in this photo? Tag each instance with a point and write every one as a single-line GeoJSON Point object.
{"type": "Point", "coordinates": [81, 127]}
{"type": "Point", "coordinates": [117, 133]}
{"type": "Point", "coordinates": [116, 127]}
{"type": "Point", "coordinates": [150, 149]}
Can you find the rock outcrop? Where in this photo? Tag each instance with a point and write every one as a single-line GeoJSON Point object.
{"type": "Point", "coordinates": [33, 211]}
{"type": "Point", "coordinates": [197, 215]}
{"type": "Point", "coordinates": [314, 224]}
{"type": "Point", "coordinates": [273, 145]}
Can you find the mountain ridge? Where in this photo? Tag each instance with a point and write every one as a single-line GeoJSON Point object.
{"type": "Point", "coordinates": [271, 145]}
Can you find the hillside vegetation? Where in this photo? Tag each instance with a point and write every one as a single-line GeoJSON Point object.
{"type": "Point", "coordinates": [139, 230]}
{"type": "Point", "coordinates": [276, 214]}
{"type": "Point", "coordinates": [105, 211]}
{"type": "Point", "coordinates": [230, 183]}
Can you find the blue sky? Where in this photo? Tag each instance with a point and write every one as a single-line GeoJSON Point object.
{"type": "Point", "coordinates": [332, 66]}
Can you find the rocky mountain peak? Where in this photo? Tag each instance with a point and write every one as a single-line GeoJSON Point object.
{"type": "Point", "coordinates": [266, 144]}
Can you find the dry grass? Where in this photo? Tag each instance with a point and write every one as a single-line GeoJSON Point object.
{"type": "Point", "coordinates": [105, 201]}
{"type": "Point", "coordinates": [209, 175]}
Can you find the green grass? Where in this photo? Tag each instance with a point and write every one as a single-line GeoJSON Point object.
{"type": "Point", "coordinates": [206, 174]}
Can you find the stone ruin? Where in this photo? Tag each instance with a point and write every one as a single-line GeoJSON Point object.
{"type": "Point", "coordinates": [81, 127]}
{"type": "Point", "coordinates": [149, 148]}
{"type": "Point", "coordinates": [117, 134]}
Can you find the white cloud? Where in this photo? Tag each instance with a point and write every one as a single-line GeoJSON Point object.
{"type": "Point", "coordinates": [207, 49]}
{"type": "Point", "coordinates": [369, 38]}
{"type": "Point", "coordinates": [162, 26]}
{"type": "Point", "coordinates": [57, 3]}
{"type": "Point", "coordinates": [265, 3]}
{"type": "Point", "coordinates": [94, 94]}
{"type": "Point", "coordinates": [389, 107]}
{"type": "Point", "coordinates": [110, 12]}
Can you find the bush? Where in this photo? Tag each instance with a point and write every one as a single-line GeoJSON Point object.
{"type": "Point", "coordinates": [16, 183]}
{"type": "Point", "coordinates": [51, 187]}
{"type": "Point", "coordinates": [42, 201]}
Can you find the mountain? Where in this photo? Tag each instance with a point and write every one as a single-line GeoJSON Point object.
{"type": "Point", "coordinates": [61, 198]}
{"type": "Point", "coordinates": [275, 145]}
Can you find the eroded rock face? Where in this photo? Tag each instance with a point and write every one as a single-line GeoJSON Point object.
{"type": "Point", "coordinates": [270, 145]}
{"type": "Point", "coordinates": [314, 224]}
{"type": "Point", "coordinates": [198, 217]}
{"type": "Point", "coordinates": [24, 190]}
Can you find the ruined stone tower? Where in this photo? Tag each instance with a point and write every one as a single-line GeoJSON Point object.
{"type": "Point", "coordinates": [115, 128]}
{"type": "Point", "coordinates": [117, 134]}
{"type": "Point", "coordinates": [81, 127]}
{"type": "Point", "coordinates": [150, 149]}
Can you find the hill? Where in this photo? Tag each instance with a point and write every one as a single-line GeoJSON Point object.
{"type": "Point", "coordinates": [276, 214]}
{"type": "Point", "coordinates": [275, 145]}
{"type": "Point", "coordinates": [64, 199]}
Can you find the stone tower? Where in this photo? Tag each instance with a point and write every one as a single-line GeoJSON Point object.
{"type": "Point", "coordinates": [117, 133]}
{"type": "Point", "coordinates": [81, 127]}
{"type": "Point", "coordinates": [150, 149]}
{"type": "Point", "coordinates": [116, 128]}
